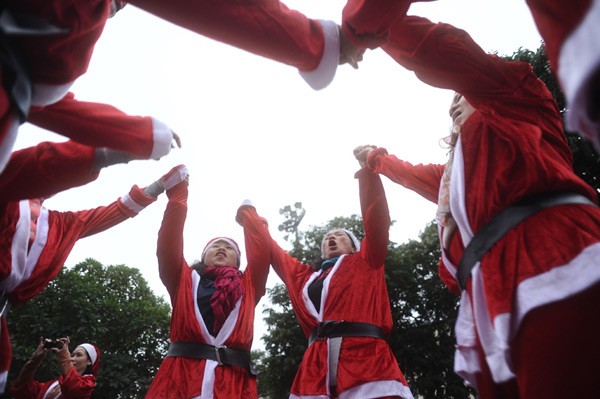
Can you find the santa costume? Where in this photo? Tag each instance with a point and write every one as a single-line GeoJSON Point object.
{"type": "Point", "coordinates": [527, 314]}
{"type": "Point", "coordinates": [353, 292]}
{"type": "Point", "coordinates": [72, 385]}
{"type": "Point", "coordinates": [570, 31]}
{"type": "Point", "coordinates": [197, 365]}
{"type": "Point", "coordinates": [33, 248]}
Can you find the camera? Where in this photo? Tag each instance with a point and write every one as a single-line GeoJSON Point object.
{"type": "Point", "coordinates": [48, 344]}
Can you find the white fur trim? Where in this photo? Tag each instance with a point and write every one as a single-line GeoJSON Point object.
{"type": "Point", "coordinates": [377, 389]}
{"type": "Point", "coordinates": [44, 94]}
{"type": "Point", "coordinates": [162, 136]}
{"type": "Point", "coordinates": [3, 376]}
{"type": "Point", "coordinates": [8, 143]}
{"type": "Point", "coordinates": [131, 204]}
{"type": "Point", "coordinates": [55, 383]}
{"type": "Point", "coordinates": [370, 390]}
{"type": "Point", "coordinates": [579, 57]}
{"type": "Point", "coordinates": [325, 72]}
{"type": "Point", "coordinates": [178, 176]}
{"type": "Point", "coordinates": [223, 335]}
{"type": "Point", "coordinates": [91, 351]}
{"type": "Point", "coordinates": [23, 258]}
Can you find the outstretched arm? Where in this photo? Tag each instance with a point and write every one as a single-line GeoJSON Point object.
{"type": "Point", "coordinates": [102, 125]}
{"type": "Point", "coordinates": [25, 381]}
{"type": "Point", "coordinates": [422, 179]}
{"type": "Point", "coordinates": [258, 251]}
{"type": "Point", "coordinates": [376, 217]}
{"type": "Point", "coordinates": [170, 236]}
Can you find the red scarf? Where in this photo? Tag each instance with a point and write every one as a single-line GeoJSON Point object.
{"type": "Point", "coordinates": [229, 288]}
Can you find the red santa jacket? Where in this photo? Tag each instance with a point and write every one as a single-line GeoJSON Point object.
{"type": "Point", "coordinates": [25, 271]}
{"type": "Point", "coordinates": [181, 377]}
{"type": "Point", "coordinates": [570, 35]}
{"type": "Point", "coordinates": [355, 291]}
{"type": "Point", "coordinates": [72, 386]}
{"type": "Point", "coordinates": [512, 147]}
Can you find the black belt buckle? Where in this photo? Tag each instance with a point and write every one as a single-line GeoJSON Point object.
{"type": "Point", "coordinates": [218, 354]}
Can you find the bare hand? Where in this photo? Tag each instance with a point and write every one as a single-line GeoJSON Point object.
{"type": "Point", "coordinates": [176, 139]}
{"type": "Point", "coordinates": [349, 53]}
{"type": "Point", "coordinates": [361, 153]}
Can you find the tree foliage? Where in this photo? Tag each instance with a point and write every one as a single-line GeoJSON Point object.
{"type": "Point", "coordinates": [112, 307]}
{"type": "Point", "coordinates": [422, 309]}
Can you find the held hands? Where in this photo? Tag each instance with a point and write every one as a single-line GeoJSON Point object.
{"type": "Point", "coordinates": [349, 53]}
{"type": "Point", "coordinates": [178, 174]}
{"type": "Point", "coordinates": [361, 153]}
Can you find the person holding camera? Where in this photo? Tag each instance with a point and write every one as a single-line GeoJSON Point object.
{"type": "Point", "coordinates": [77, 372]}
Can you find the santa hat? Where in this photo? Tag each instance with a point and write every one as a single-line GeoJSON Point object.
{"type": "Point", "coordinates": [229, 241]}
{"type": "Point", "coordinates": [94, 354]}
{"type": "Point", "coordinates": [351, 236]}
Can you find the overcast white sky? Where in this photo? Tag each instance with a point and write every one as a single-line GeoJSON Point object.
{"type": "Point", "coordinates": [251, 128]}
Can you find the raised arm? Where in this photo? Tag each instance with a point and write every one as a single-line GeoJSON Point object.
{"type": "Point", "coordinates": [99, 219]}
{"type": "Point", "coordinates": [102, 125]}
{"type": "Point", "coordinates": [46, 169]}
{"type": "Point", "coordinates": [170, 236]}
{"type": "Point", "coordinates": [376, 217]}
{"type": "Point", "coordinates": [444, 56]}
{"type": "Point", "coordinates": [258, 251]}
{"type": "Point", "coordinates": [264, 27]}
{"type": "Point", "coordinates": [422, 179]}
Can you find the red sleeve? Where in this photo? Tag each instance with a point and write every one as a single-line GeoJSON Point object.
{"type": "Point", "coordinates": [258, 252]}
{"type": "Point", "coordinates": [96, 125]}
{"type": "Point", "coordinates": [30, 389]}
{"type": "Point", "coordinates": [104, 217]}
{"type": "Point", "coordinates": [422, 179]}
{"type": "Point", "coordinates": [170, 238]}
{"type": "Point", "coordinates": [77, 386]}
{"type": "Point", "coordinates": [366, 22]}
{"type": "Point", "coordinates": [376, 218]}
{"type": "Point", "coordinates": [266, 27]}
{"type": "Point", "coordinates": [444, 56]}
{"type": "Point", "coordinates": [46, 169]}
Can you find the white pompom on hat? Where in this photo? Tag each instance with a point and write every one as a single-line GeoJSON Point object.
{"type": "Point", "coordinates": [229, 241]}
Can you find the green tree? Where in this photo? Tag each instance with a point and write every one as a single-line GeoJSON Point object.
{"type": "Point", "coordinates": [110, 306]}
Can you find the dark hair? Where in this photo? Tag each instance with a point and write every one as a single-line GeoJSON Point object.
{"type": "Point", "coordinates": [198, 266]}
{"type": "Point", "coordinates": [89, 369]}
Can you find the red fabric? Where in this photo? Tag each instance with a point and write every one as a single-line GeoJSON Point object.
{"type": "Point", "coordinates": [555, 20]}
{"type": "Point", "coordinates": [229, 288]}
{"type": "Point", "coordinates": [356, 292]}
{"type": "Point", "coordinates": [512, 147]}
{"type": "Point", "coordinates": [180, 377]}
{"type": "Point", "coordinates": [96, 125]}
{"type": "Point", "coordinates": [267, 28]}
{"type": "Point", "coordinates": [64, 229]}
{"type": "Point", "coordinates": [46, 169]}
{"type": "Point", "coordinates": [73, 386]}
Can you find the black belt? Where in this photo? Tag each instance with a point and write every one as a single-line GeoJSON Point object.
{"type": "Point", "coordinates": [335, 331]}
{"type": "Point", "coordinates": [221, 354]}
{"type": "Point", "coordinates": [503, 222]}
{"type": "Point", "coordinates": [14, 25]}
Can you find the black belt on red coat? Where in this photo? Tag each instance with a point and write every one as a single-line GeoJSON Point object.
{"type": "Point", "coordinates": [334, 332]}
{"type": "Point", "coordinates": [223, 355]}
{"type": "Point", "coordinates": [495, 229]}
